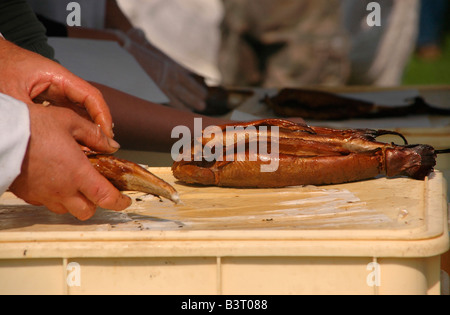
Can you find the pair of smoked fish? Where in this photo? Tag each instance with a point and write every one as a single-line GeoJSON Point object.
{"type": "Point", "coordinates": [307, 156]}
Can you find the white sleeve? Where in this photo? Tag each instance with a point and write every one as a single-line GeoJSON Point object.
{"type": "Point", "coordinates": [14, 137]}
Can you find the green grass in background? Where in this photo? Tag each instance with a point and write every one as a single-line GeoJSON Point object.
{"type": "Point", "coordinates": [423, 72]}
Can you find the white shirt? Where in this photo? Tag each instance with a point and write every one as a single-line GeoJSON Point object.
{"type": "Point", "coordinates": [92, 11]}
{"type": "Point", "coordinates": [14, 137]}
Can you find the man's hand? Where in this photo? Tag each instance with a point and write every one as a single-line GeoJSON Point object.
{"type": "Point", "coordinates": [30, 77]}
{"type": "Point", "coordinates": [177, 82]}
{"type": "Point", "coordinates": [55, 171]}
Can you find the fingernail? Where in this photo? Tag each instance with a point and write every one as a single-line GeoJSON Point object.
{"type": "Point", "coordinates": [114, 144]}
{"type": "Point", "coordinates": [130, 201]}
{"type": "Point", "coordinates": [109, 133]}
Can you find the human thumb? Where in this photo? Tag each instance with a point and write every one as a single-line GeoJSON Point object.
{"type": "Point", "coordinates": [92, 136]}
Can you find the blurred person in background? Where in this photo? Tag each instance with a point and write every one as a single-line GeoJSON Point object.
{"type": "Point", "coordinates": [293, 43]}
{"type": "Point", "coordinates": [432, 21]}
{"type": "Point", "coordinates": [379, 54]}
{"type": "Point", "coordinates": [187, 30]}
{"type": "Point", "coordinates": [283, 43]}
{"type": "Point", "coordinates": [104, 19]}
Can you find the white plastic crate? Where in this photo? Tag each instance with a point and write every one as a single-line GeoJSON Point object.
{"type": "Point", "coordinates": [382, 236]}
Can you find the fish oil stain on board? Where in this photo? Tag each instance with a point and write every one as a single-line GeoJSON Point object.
{"type": "Point", "coordinates": [290, 208]}
{"type": "Point", "coordinates": [376, 204]}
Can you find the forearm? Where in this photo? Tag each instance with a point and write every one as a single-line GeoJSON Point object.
{"type": "Point", "coordinates": [141, 125]}
{"type": "Point", "coordinates": [115, 18]}
{"type": "Point", "coordinates": [88, 33]}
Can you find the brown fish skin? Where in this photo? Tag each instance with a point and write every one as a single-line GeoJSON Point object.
{"type": "Point", "coordinates": [292, 171]}
{"type": "Point", "coordinates": [313, 156]}
{"type": "Point", "coordinates": [321, 105]}
{"type": "Point", "coordinates": [128, 176]}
